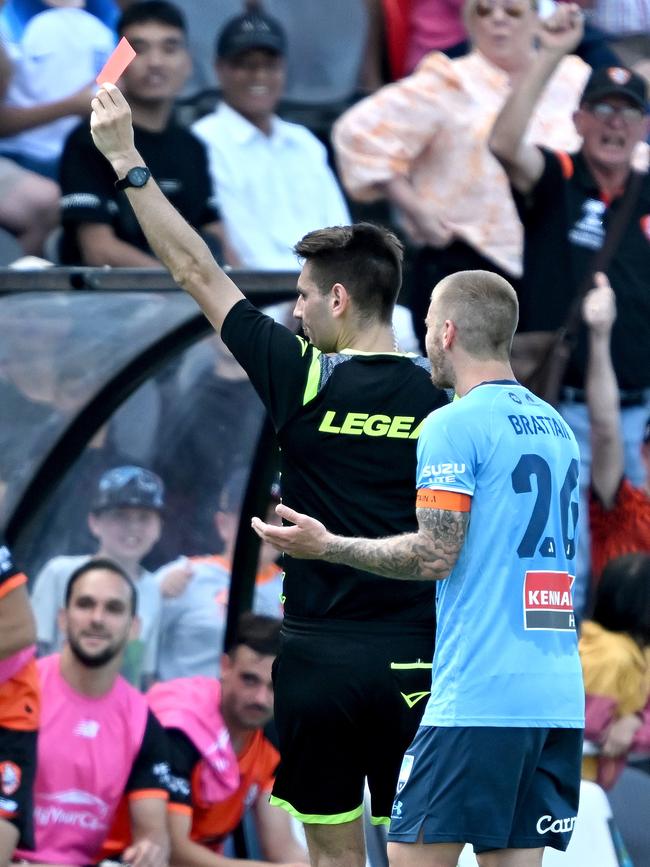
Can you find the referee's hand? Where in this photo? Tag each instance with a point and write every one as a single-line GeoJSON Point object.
{"type": "Point", "coordinates": [305, 540]}
{"type": "Point", "coordinates": [111, 128]}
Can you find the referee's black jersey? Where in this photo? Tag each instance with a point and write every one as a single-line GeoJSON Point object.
{"type": "Point", "coordinates": [347, 425]}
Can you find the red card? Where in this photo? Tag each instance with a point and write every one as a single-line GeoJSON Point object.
{"type": "Point", "coordinates": [116, 63]}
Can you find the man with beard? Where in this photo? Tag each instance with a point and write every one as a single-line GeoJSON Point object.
{"type": "Point", "coordinates": [222, 763]}
{"type": "Point", "coordinates": [496, 760]}
{"type": "Point", "coordinates": [98, 739]}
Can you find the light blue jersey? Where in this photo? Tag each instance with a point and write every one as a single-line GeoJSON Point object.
{"type": "Point", "coordinates": [506, 648]}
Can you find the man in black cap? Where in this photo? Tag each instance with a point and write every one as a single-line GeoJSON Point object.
{"type": "Point", "coordinates": [271, 177]}
{"type": "Point", "coordinates": [125, 518]}
{"type": "Point", "coordinates": [566, 203]}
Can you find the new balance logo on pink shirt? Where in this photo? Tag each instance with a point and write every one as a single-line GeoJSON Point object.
{"type": "Point", "coordinates": [87, 728]}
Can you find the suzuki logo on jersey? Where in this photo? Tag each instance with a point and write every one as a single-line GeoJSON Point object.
{"type": "Point", "coordinates": [401, 427]}
{"type": "Point", "coordinates": [547, 601]}
{"type": "Point", "coordinates": [442, 474]}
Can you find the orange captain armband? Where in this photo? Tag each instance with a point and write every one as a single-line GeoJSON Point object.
{"type": "Point", "coordinates": [449, 501]}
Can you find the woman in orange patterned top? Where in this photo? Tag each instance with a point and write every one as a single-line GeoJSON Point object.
{"type": "Point", "coordinates": [422, 143]}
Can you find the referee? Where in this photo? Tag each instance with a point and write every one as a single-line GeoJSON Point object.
{"type": "Point", "coordinates": [354, 668]}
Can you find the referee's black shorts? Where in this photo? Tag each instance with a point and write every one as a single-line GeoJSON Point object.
{"type": "Point", "coordinates": [349, 696]}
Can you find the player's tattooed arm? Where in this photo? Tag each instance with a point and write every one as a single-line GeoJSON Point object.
{"type": "Point", "coordinates": [428, 555]}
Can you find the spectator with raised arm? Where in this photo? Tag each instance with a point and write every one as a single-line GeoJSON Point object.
{"type": "Point", "coordinates": [619, 512]}
{"type": "Point", "coordinates": [422, 143]}
{"type": "Point", "coordinates": [566, 202]}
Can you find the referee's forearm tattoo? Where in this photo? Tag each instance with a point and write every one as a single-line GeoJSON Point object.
{"type": "Point", "coordinates": [428, 555]}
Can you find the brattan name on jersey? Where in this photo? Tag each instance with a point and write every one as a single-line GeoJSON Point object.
{"type": "Point", "coordinates": [378, 425]}
{"type": "Point", "coordinates": [547, 600]}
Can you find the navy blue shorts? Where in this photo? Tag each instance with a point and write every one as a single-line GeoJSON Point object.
{"type": "Point", "coordinates": [496, 788]}
{"type": "Point", "coordinates": [349, 699]}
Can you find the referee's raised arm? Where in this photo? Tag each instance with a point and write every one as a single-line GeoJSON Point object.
{"type": "Point", "coordinates": [172, 239]}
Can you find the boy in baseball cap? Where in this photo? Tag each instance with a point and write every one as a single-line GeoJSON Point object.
{"type": "Point", "coordinates": [125, 518]}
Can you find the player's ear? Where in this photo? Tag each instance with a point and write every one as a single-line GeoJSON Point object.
{"type": "Point", "coordinates": [339, 299]}
{"type": "Point", "coordinates": [449, 332]}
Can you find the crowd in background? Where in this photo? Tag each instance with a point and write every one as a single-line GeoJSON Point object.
{"type": "Point", "coordinates": [262, 122]}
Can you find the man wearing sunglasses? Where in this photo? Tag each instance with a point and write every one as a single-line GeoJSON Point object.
{"type": "Point", "coordinates": [422, 143]}
{"type": "Point", "coordinates": [566, 203]}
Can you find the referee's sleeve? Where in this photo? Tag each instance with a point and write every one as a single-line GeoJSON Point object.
{"type": "Point", "coordinates": [277, 362]}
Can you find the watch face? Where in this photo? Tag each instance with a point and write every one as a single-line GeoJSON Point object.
{"type": "Point", "coordinates": [138, 176]}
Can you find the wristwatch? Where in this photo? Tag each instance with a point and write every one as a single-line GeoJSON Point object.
{"type": "Point", "coordinates": [135, 177]}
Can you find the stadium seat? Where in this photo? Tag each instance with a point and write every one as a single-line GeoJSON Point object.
{"type": "Point", "coordinates": [630, 803]}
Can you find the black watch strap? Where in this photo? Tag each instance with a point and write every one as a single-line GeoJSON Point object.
{"type": "Point", "coordinates": [135, 177]}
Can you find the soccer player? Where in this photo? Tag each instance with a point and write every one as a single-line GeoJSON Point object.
{"type": "Point", "coordinates": [97, 738]}
{"type": "Point", "coordinates": [355, 657]}
{"type": "Point", "coordinates": [496, 761]}
{"type": "Point", "coordinates": [221, 760]}
{"type": "Point", "coordinates": [19, 706]}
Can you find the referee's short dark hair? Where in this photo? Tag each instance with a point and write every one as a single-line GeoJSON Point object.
{"type": "Point", "coordinates": [259, 632]}
{"type": "Point", "coordinates": [158, 11]}
{"type": "Point", "coordinates": [365, 258]}
{"type": "Point", "coordinates": [109, 566]}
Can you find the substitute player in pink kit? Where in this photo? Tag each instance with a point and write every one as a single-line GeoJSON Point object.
{"type": "Point", "coordinates": [98, 739]}
{"type": "Point", "coordinates": [19, 706]}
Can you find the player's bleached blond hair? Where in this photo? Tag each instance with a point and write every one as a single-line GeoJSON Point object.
{"type": "Point", "coordinates": [485, 310]}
